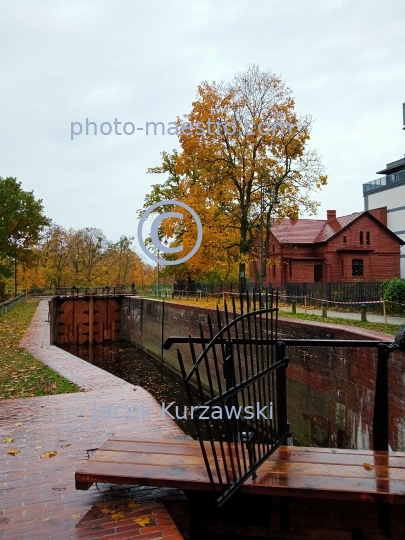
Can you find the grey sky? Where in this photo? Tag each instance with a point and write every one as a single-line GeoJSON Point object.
{"type": "Point", "coordinates": [63, 61]}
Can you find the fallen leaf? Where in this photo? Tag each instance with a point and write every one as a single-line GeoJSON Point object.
{"type": "Point", "coordinates": [65, 445]}
{"type": "Point", "coordinates": [134, 505]}
{"type": "Point", "coordinates": [9, 439]}
{"type": "Point", "coordinates": [367, 466]}
{"type": "Point", "coordinates": [76, 516]}
{"type": "Point", "coordinates": [142, 521]}
{"type": "Point", "coordinates": [18, 423]}
{"type": "Point", "coordinates": [117, 516]}
{"type": "Point", "coordinates": [106, 511]}
{"type": "Point", "coordinates": [14, 451]}
{"type": "Point", "coordinates": [46, 519]}
{"type": "Point", "coordinates": [49, 454]}
{"type": "Point", "coordinates": [38, 447]}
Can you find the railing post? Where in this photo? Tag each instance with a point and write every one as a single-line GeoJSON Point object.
{"type": "Point", "coordinates": [294, 306]}
{"type": "Point", "coordinates": [324, 311]}
{"type": "Point", "coordinates": [229, 376]}
{"type": "Point", "coordinates": [381, 418]}
{"type": "Point", "coordinates": [363, 311]}
{"type": "Point", "coordinates": [281, 384]}
{"type": "Point", "coordinates": [385, 311]}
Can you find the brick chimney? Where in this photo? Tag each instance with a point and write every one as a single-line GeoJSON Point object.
{"type": "Point", "coordinates": [380, 214]}
{"type": "Point", "coordinates": [330, 215]}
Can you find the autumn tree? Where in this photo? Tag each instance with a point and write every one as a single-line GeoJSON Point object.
{"type": "Point", "coordinates": [258, 149]}
{"type": "Point", "coordinates": [250, 150]}
{"type": "Point", "coordinates": [22, 220]}
{"type": "Point", "coordinates": [85, 258]}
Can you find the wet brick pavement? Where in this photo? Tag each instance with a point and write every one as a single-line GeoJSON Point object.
{"type": "Point", "coordinates": [38, 499]}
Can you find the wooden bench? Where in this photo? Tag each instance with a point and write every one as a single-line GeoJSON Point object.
{"type": "Point", "coordinates": [353, 475]}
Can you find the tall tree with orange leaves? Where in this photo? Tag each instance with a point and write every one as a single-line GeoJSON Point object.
{"type": "Point", "coordinates": [245, 148]}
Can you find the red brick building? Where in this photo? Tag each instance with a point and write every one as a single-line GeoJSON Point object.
{"type": "Point", "coordinates": [348, 248]}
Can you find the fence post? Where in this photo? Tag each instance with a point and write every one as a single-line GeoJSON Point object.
{"type": "Point", "coordinates": [305, 304]}
{"type": "Point", "coordinates": [294, 306]}
{"type": "Point", "coordinates": [385, 310]}
{"type": "Point", "coordinates": [324, 310]}
{"type": "Point", "coordinates": [363, 311]}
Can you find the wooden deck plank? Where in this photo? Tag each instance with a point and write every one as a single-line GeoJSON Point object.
{"type": "Point", "coordinates": [292, 454]}
{"type": "Point", "coordinates": [293, 471]}
{"type": "Point", "coordinates": [270, 484]}
{"type": "Point", "coordinates": [270, 466]}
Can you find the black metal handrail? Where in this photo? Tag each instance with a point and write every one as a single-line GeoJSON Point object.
{"type": "Point", "coordinates": [238, 344]}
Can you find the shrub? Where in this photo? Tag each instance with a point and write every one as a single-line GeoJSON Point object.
{"type": "Point", "coordinates": [394, 291]}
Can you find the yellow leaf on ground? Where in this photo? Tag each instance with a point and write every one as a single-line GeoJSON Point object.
{"type": "Point", "coordinates": [106, 511]}
{"type": "Point", "coordinates": [18, 423]}
{"type": "Point", "coordinates": [14, 451]}
{"type": "Point", "coordinates": [9, 439]}
{"type": "Point", "coordinates": [117, 516]}
{"type": "Point", "coordinates": [142, 521]}
{"type": "Point", "coordinates": [134, 505]}
{"type": "Point", "coordinates": [46, 519]}
{"type": "Point", "coordinates": [38, 447]}
{"type": "Point", "coordinates": [49, 454]}
{"type": "Point", "coordinates": [65, 445]}
{"type": "Point", "coordinates": [367, 466]}
{"type": "Point", "coordinates": [76, 516]}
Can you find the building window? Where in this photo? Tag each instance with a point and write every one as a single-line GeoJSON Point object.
{"type": "Point", "coordinates": [345, 239]}
{"type": "Point", "coordinates": [368, 238]}
{"type": "Point", "coordinates": [361, 238]}
{"type": "Point", "coordinates": [357, 267]}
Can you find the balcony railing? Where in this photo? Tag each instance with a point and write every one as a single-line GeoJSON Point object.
{"type": "Point", "coordinates": [384, 183]}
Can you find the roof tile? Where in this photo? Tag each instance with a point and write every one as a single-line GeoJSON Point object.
{"type": "Point", "coordinates": [310, 231]}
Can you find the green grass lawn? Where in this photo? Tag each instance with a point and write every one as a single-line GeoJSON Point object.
{"type": "Point", "coordinates": [21, 375]}
{"type": "Point", "coordinates": [377, 327]}
{"type": "Point", "coordinates": [211, 303]}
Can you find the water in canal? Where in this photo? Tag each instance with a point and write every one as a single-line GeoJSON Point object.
{"type": "Point", "coordinates": [136, 367]}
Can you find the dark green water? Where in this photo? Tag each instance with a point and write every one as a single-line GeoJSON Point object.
{"type": "Point", "coordinates": [136, 367]}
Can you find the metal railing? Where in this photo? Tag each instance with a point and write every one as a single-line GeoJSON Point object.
{"type": "Point", "coordinates": [97, 291]}
{"type": "Point", "coordinates": [385, 182]}
{"type": "Point", "coordinates": [7, 305]}
{"type": "Point", "coordinates": [245, 362]}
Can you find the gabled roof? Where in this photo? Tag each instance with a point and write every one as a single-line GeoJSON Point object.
{"type": "Point", "coordinates": [316, 231]}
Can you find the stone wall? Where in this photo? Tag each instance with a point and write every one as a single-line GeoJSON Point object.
{"type": "Point", "coordinates": [330, 391]}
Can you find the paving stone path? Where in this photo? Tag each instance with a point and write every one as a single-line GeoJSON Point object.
{"type": "Point", "coordinates": [38, 499]}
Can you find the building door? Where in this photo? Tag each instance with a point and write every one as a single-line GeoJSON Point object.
{"type": "Point", "coordinates": [318, 272]}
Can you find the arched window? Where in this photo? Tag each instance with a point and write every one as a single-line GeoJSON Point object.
{"type": "Point", "coordinates": [368, 238]}
{"type": "Point", "coordinates": [361, 238]}
{"type": "Point", "coordinates": [345, 240]}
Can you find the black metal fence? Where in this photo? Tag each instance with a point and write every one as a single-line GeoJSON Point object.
{"type": "Point", "coordinates": [243, 366]}
{"type": "Point", "coordinates": [240, 377]}
{"type": "Point", "coordinates": [341, 296]}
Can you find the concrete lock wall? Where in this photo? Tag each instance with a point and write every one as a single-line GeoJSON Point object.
{"type": "Point", "coordinates": [330, 391]}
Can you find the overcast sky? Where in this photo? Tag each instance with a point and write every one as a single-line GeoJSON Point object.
{"type": "Point", "coordinates": [64, 61]}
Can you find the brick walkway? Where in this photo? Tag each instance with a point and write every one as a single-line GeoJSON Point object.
{"type": "Point", "coordinates": [38, 499]}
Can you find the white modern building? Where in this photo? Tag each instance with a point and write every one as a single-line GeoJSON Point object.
{"type": "Point", "coordinates": [389, 191]}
